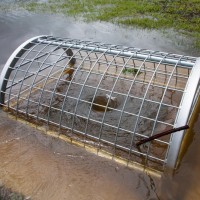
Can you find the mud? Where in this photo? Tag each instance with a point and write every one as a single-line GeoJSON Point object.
{"type": "Point", "coordinates": [43, 167]}
{"type": "Point", "coordinates": [70, 105]}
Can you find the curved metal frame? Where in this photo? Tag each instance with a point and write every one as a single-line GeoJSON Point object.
{"type": "Point", "coordinates": [5, 74]}
{"type": "Point", "coordinates": [184, 109]}
{"type": "Point", "coordinates": [184, 114]}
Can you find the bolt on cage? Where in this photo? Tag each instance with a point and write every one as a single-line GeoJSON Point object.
{"type": "Point", "coordinates": [107, 95]}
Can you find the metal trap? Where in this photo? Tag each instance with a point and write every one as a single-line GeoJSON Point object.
{"type": "Point", "coordinates": [108, 96]}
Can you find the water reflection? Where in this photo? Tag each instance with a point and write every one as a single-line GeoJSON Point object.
{"type": "Point", "coordinates": [19, 26]}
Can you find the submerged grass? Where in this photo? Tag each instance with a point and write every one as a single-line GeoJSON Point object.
{"type": "Point", "coordinates": [181, 15]}
{"type": "Point", "coordinates": [8, 194]}
{"type": "Point", "coordinates": [131, 71]}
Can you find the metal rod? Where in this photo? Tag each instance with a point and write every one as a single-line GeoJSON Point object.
{"type": "Point", "coordinates": [162, 134]}
{"type": "Point", "coordinates": [117, 52]}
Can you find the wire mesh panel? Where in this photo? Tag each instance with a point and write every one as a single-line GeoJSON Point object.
{"type": "Point", "coordinates": [108, 96]}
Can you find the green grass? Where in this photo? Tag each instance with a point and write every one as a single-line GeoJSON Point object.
{"type": "Point", "coordinates": [180, 15]}
{"type": "Point", "coordinates": [8, 194]}
{"type": "Point", "coordinates": [131, 71]}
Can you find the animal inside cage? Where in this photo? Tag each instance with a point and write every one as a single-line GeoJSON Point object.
{"type": "Point", "coordinates": [106, 95]}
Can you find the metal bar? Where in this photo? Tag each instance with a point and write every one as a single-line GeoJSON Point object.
{"type": "Point", "coordinates": [36, 75]}
{"type": "Point", "coordinates": [54, 88]}
{"type": "Point", "coordinates": [61, 115]}
{"type": "Point", "coordinates": [144, 97]}
{"type": "Point", "coordinates": [83, 88]}
{"type": "Point", "coordinates": [160, 105]}
{"type": "Point", "coordinates": [33, 73]}
{"type": "Point", "coordinates": [124, 66]}
{"type": "Point", "coordinates": [183, 114]}
{"type": "Point", "coordinates": [97, 88]}
{"type": "Point", "coordinates": [132, 114]}
{"type": "Point", "coordinates": [126, 54]}
{"type": "Point", "coordinates": [94, 137]}
{"type": "Point", "coordinates": [158, 135]}
{"type": "Point", "coordinates": [26, 72]}
{"type": "Point", "coordinates": [5, 74]}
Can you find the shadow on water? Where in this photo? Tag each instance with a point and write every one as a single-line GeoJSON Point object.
{"type": "Point", "coordinates": [64, 172]}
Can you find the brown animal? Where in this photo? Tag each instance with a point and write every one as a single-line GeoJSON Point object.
{"type": "Point", "coordinates": [70, 69]}
{"type": "Point", "coordinates": [102, 103]}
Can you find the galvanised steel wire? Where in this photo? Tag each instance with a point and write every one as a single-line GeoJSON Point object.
{"type": "Point", "coordinates": [142, 92]}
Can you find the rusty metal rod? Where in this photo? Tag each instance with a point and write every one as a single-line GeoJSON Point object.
{"type": "Point", "coordinates": [161, 134]}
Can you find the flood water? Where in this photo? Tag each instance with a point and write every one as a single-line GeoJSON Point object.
{"type": "Point", "coordinates": [46, 168]}
{"type": "Point", "coordinates": [42, 167]}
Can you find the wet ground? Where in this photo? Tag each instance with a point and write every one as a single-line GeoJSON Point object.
{"type": "Point", "coordinates": [47, 168]}
{"type": "Point", "coordinates": [43, 167]}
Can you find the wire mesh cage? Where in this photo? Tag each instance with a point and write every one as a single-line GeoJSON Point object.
{"type": "Point", "coordinates": [108, 96]}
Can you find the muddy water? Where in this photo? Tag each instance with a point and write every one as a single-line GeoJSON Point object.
{"type": "Point", "coordinates": [185, 183]}
{"type": "Point", "coordinates": [42, 167]}
{"type": "Point", "coordinates": [48, 108]}
{"type": "Point", "coordinates": [45, 168]}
